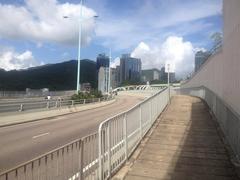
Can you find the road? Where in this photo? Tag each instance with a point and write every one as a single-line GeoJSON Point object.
{"type": "Point", "coordinates": [21, 143]}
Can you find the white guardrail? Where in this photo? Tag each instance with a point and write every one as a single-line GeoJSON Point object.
{"type": "Point", "coordinates": [97, 156]}
{"type": "Point", "coordinates": [8, 107]}
{"type": "Point", "coordinates": [120, 135]}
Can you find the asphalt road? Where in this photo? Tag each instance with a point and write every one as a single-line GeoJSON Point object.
{"type": "Point", "coordinates": [21, 143]}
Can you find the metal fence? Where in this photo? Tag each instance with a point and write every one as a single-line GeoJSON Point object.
{"type": "Point", "coordinates": [120, 135]}
{"type": "Point", "coordinates": [69, 162]}
{"type": "Point", "coordinates": [228, 119]}
{"type": "Point", "coordinates": [45, 104]}
{"type": "Point", "coordinates": [99, 155]}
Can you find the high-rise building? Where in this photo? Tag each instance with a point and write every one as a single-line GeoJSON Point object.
{"type": "Point", "coordinates": [113, 78]}
{"type": "Point", "coordinates": [150, 75]}
{"type": "Point", "coordinates": [200, 58]}
{"type": "Point", "coordinates": [103, 79]}
{"type": "Point", "coordinates": [102, 61]}
{"type": "Point", "coordinates": [130, 69]}
{"type": "Point", "coordinates": [102, 67]}
{"type": "Point", "coordinates": [118, 75]}
{"type": "Point", "coordinates": [164, 76]}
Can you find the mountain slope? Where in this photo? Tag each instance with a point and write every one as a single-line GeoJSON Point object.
{"type": "Point", "coordinates": [60, 76]}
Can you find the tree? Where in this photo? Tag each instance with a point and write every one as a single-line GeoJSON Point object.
{"type": "Point", "coordinates": [217, 39]}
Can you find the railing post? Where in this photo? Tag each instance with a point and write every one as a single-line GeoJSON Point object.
{"type": "Point", "coordinates": [151, 111]}
{"type": "Point", "coordinates": [21, 107]}
{"type": "Point", "coordinates": [72, 102]}
{"type": "Point", "coordinates": [48, 105]}
{"type": "Point", "coordinates": [125, 135]}
{"type": "Point", "coordinates": [100, 152]}
{"type": "Point", "coordinates": [140, 118]}
{"type": "Point", "coordinates": [84, 101]}
{"type": "Point", "coordinates": [81, 144]}
{"type": "Point", "coordinates": [109, 151]}
{"type": "Point", "coordinates": [99, 99]}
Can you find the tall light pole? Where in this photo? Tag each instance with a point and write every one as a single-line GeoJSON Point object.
{"type": "Point", "coordinates": [168, 69]}
{"type": "Point", "coordinates": [79, 44]}
{"type": "Point", "coordinates": [79, 48]}
{"type": "Point", "coordinates": [109, 71]}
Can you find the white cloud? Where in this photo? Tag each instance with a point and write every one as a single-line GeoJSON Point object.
{"type": "Point", "coordinates": [200, 49]}
{"type": "Point", "coordinates": [153, 19]}
{"type": "Point", "coordinates": [173, 49]}
{"type": "Point", "coordinates": [42, 21]}
{"type": "Point", "coordinates": [116, 62]}
{"type": "Point", "coordinates": [65, 54]}
{"type": "Point", "coordinates": [9, 60]}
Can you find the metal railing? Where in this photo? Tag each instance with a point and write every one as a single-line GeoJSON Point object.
{"type": "Point", "coordinates": [227, 117]}
{"type": "Point", "coordinates": [120, 135]}
{"type": "Point", "coordinates": [46, 104]}
{"type": "Point", "coordinates": [99, 155]}
{"type": "Point", "coordinates": [69, 162]}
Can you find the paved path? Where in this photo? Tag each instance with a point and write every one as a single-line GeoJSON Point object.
{"type": "Point", "coordinates": [185, 145]}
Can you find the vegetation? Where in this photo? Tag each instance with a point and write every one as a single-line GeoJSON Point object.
{"type": "Point", "coordinates": [128, 82]}
{"type": "Point", "coordinates": [60, 76]}
{"type": "Point", "coordinates": [87, 95]}
{"type": "Point", "coordinates": [163, 81]}
{"type": "Point", "coordinates": [216, 37]}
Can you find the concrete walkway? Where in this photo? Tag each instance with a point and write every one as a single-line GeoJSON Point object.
{"type": "Point", "coordinates": [184, 145]}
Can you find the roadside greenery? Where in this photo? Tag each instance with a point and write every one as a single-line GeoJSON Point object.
{"type": "Point", "coordinates": [87, 95]}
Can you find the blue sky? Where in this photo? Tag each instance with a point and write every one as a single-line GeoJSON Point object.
{"type": "Point", "coordinates": [33, 32]}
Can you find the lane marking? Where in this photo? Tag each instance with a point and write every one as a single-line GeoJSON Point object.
{"type": "Point", "coordinates": [57, 118]}
{"type": "Point", "coordinates": [40, 135]}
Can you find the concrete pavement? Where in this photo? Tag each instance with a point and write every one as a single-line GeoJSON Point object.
{"type": "Point", "coordinates": [185, 144]}
{"type": "Point", "coordinates": [23, 142]}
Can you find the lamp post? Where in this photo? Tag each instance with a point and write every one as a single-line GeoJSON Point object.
{"type": "Point", "coordinates": [109, 71]}
{"type": "Point", "coordinates": [79, 48]}
{"type": "Point", "coordinates": [168, 69]}
{"type": "Point", "coordinates": [79, 44]}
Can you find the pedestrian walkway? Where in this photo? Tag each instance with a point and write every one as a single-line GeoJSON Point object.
{"type": "Point", "coordinates": [185, 145]}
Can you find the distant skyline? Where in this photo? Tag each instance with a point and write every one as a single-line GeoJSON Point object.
{"type": "Point", "coordinates": [34, 32]}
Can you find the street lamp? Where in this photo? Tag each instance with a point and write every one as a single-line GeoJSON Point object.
{"type": "Point", "coordinates": [79, 45]}
{"type": "Point", "coordinates": [109, 71]}
{"type": "Point", "coordinates": [168, 70]}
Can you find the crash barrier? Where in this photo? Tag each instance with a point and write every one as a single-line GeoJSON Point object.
{"type": "Point", "coordinates": [47, 104]}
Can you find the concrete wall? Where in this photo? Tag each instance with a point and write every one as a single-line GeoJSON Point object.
{"type": "Point", "coordinates": [221, 72]}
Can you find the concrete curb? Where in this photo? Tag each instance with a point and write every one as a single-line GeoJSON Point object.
{"type": "Point", "coordinates": [62, 113]}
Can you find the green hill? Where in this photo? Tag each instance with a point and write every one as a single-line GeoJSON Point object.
{"type": "Point", "coordinates": [60, 76]}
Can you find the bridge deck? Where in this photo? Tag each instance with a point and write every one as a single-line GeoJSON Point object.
{"type": "Point", "coordinates": [185, 145]}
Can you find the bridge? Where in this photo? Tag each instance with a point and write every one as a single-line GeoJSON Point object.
{"type": "Point", "coordinates": [195, 134]}
{"type": "Point", "coordinates": [144, 87]}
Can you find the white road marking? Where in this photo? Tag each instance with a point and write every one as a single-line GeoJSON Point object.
{"type": "Point", "coordinates": [57, 119]}
{"type": "Point", "coordinates": [40, 135]}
